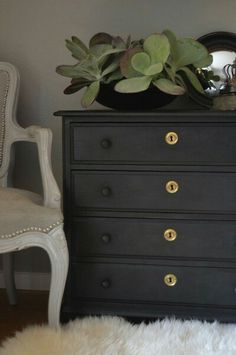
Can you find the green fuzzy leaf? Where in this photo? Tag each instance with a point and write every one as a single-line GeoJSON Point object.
{"type": "Point", "coordinates": [179, 80]}
{"type": "Point", "coordinates": [103, 51]}
{"type": "Point", "coordinates": [188, 51]}
{"type": "Point", "coordinates": [87, 69]}
{"type": "Point", "coordinates": [100, 38]}
{"type": "Point", "coordinates": [205, 62]}
{"type": "Point", "coordinates": [140, 62]}
{"type": "Point", "coordinates": [73, 71]}
{"type": "Point", "coordinates": [118, 42]}
{"type": "Point", "coordinates": [133, 85]}
{"type": "Point", "coordinates": [172, 40]}
{"type": "Point", "coordinates": [80, 43]}
{"type": "Point", "coordinates": [90, 66]}
{"type": "Point", "coordinates": [158, 48]}
{"type": "Point", "coordinates": [154, 69]}
{"type": "Point", "coordinates": [116, 75]}
{"type": "Point", "coordinates": [169, 87]}
{"type": "Point", "coordinates": [76, 85]}
{"type": "Point", "coordinates": [171, 36]}
{"type": "Point", "coordinates": [170, 71]}
{"type": "Point", "coordinates": [192, 78]}
{"type": "Point", "coordinates": [125, 63]}
{"type": "Point", "coordinates": [77, 48]}
{"type": "Point", "coordinates": [114, 64]}
{"type": "Point", "coordinates": [99, 49]}
{"type": "Point", "coordinates": [90, 94]}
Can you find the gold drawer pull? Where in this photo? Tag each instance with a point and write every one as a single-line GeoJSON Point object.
{"type": "Point", "coordinates": [170, 235]}
{"type": "Point", "coordinates": [171, 138]}
{"type": "Point", "coordinates": [170, 280]}
{"type": "Point", "coordinates": [172, 187]}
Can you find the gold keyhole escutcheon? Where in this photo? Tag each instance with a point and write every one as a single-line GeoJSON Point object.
{"type": "Point", "coordinates": [172, 187]}
{"type": "Point", "coordinates": [170, 235]}
{"type": "Point", "coordinates": [171, 138]}
{"type": "Point", "coordinates": [170, 280]}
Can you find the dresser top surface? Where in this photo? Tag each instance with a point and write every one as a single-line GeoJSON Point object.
{"type": "Point", "coordinates": [148, 116]}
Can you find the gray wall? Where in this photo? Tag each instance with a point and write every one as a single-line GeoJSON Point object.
{"type": "Point", "coordinates": [32, 34]}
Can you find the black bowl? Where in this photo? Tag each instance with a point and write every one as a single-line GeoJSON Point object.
{"type": "Point", "coordinates": [149, 99]}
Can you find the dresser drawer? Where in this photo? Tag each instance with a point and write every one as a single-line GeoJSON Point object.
{"type": "Point", "coordinates": [147, 191]}
{"type": "Point", "coordinates": [153, 238]}
{"type": "Point", "coordinates": [140, 143]}
{"type": "Point", "coordinates": [137, 283]}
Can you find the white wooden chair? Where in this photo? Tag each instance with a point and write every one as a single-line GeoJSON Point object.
{"type": "Point", "coordinates": [26, 219]}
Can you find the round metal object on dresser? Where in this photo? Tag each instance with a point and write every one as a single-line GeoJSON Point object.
{"type": "Point", "coordinates": [106, 238]}
{"type": "Point", "coordinates": [172, 187]}
{"type": "Point", "coordinates": [106, 143]}
{"type": "Point", "coordinates": [170, 280]}
{"type": "Point", "coordinates": [106, 191]}
{"type": "Point", "coordinates": [171, 138]}
{"type": "Point", "coordinates": [170, 235]}
{"type": "Point", "coordinates": [106, 283]}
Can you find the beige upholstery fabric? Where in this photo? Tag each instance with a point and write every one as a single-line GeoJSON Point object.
{"type": "Point", "coordinates": [23, 210]}
{"type": "Point", "coordinates": [4, 81]}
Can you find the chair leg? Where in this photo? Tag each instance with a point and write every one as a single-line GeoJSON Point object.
{"type": "Point", "coordinates": [8, 272]}
{"type": "Point", "coordinates": [58, 254]}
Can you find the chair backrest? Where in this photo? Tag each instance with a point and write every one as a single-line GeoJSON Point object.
{"type": "Point", "coordinates": [9, 89]}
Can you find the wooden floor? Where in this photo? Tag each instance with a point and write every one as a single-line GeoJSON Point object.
{"type": "Point", "coordinates": [31, 309]}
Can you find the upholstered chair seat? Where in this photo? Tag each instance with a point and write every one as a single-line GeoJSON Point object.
{"type": "Point", "coordinates": [27, 219]}
{"type": "Point", "coordinates": [23, 211]}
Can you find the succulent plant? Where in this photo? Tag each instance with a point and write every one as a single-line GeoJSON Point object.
{"type": "Point", "coordinates": [162, 60]}
{"type": "Point", "coordinates": [96, 63]}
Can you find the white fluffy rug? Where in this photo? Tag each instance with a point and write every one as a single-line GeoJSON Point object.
{"type": "Point", "coordinates": [115, 336]}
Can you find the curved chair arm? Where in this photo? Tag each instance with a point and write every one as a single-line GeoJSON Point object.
{"type": "Point", "coordinates": [43, 138]}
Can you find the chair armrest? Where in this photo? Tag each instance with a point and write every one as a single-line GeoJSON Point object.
{"type": "Point", "coordinates": [43, 138]}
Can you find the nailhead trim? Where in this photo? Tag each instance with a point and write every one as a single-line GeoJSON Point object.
{"type": "Point", "coordinates": [31, 229]}
{"type": "Point", "coordinates": [2, 113]}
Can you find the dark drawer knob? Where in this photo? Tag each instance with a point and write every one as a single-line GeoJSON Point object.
{"type": "Point", "coordinates": [106, 283]}
{"type": "Point", "coordinates": [106, 143]}
{"type": "Point", "coordinates": [106, 238]}
{"type": "Point", "coordinates": [106, 191]}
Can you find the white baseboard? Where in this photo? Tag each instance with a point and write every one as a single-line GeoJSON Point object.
{"type": "Point", "coordinates": [29, 280]}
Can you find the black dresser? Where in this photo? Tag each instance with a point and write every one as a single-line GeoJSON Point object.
{"type": "Point", "coordinates": [150, 213]}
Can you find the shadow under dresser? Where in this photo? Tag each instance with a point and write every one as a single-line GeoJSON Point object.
{"type": "Point", "coordinates": [150, 213]}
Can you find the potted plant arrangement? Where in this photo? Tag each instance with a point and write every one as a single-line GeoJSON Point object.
{"type": "Point", "coordinates": [131, 74]}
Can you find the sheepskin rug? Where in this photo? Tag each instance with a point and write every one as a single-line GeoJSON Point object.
{"type": "Point", "coordinates": [115, 336]}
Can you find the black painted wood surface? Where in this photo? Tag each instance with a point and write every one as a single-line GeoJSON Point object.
{"type": "Point", "coordinates": [144, 238]}
{"type": "Point", "coordinates": [117, 209]}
